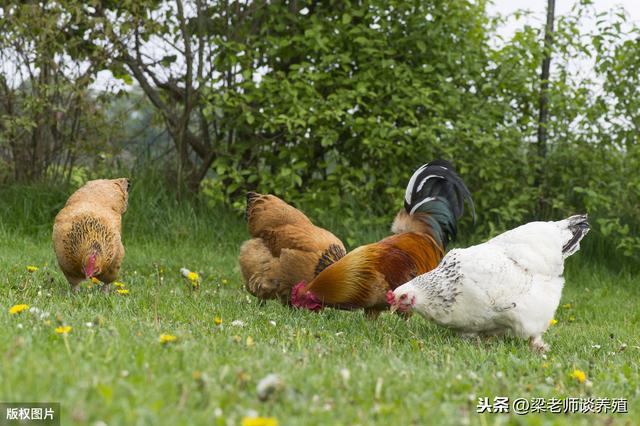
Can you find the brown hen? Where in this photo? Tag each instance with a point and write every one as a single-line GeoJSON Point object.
{"type": "Point", "coordinates": [286, 248]}
{"type": "Point", "coordinates": [86, 232]}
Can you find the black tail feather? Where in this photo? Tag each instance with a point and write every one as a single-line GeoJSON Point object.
{"type": "Point", "coordinates": [331, 255]}
{"type": "Point", "coordinates": [251, 196]}
{"type": "Point", "coordinates": [436, 189]}
{"type": "Point", "coordinates": [579, 227]}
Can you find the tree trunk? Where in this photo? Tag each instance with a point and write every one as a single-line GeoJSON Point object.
{"type": "Point", "coordinates": [543, 104]}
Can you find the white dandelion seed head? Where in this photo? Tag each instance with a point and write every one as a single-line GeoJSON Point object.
{"type": "Point", "coordinates": [345, 374]}
{"type": "Point", "coordinates": [268, 385]}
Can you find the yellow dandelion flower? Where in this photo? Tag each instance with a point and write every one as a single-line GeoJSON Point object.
{"type": "Point", "coordinates": [250, 341]}
{"type": "Point", "coordinates": [167, 338]}
{"type": "Point", "coordinates": [217, 320]}
{"type": "Point", "coordinates": [63, 329]}
{"type": "Point", "coordinates": [545, 365]}
{"type": "Point", "coordinates": [553, 321]}
{"type": "Point", "coordinates": [119, 284]}
{"type": "Point", "coordinates": [95, 280]}
{"type": "Point", "coordinates": [16, 309]}
{"type": "Point", "coordinates": [32, 268]}
{"type": "Point", "coordinates": [259, 421]}
{"type": "Point", "coordinates": [122, 291]}
{"type": "Point", "coordinates": [572, 318]}
{"type": "Point", "coordinates": [579, 375]}
{"type": "Point", "coordinates": [225, 281]}
{"type": "Point", "coordinates": [193, 276]}
{"type": "Point", "coordinates": [567, 306]}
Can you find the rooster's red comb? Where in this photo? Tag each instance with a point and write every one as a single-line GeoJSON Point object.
{"type": "Point", "coordinates": [391, 298]}
{"type": "Point", "coordinates": [296, 300]}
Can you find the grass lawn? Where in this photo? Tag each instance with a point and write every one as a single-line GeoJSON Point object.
{"type": "Point", "coordinates": [337, 367]}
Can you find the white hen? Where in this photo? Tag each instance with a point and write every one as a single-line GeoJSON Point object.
{"type": "Point", "coordinates": [509, 284]}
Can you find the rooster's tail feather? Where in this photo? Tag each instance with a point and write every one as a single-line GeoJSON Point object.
{"type": "Point", "coordinates": [330, 255]}
{"type": "Point", "coordinates": [251, 197]}
{"type": "Point", "coordinates": [438, 192]}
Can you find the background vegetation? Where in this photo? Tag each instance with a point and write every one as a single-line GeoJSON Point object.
{"type": "Point", "coordinates": [329, 104]}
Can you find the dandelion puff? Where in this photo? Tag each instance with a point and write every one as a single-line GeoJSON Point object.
{"type": "Point", "coordinates": [268, 386]}
{"type": "Point", "coordinates": [345, 374]}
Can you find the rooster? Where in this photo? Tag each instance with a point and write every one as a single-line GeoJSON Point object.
{"type": "Point", "coordinates": [285, 248]}
{"type": "Point", "coordinates": [509, 284]}
{"type": "Point", "coordinates": [86, 232]}
{"type": "Point", "coordinates": [433, 203]}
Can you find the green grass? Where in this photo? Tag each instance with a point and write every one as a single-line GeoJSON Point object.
{"type": "Point", "coordinates": [116, 371]}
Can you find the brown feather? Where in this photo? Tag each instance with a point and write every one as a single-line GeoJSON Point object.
{"type": "Point", "coordinates": [286, 248]}
{"type": "Point", "coordinates": [91, 222]}
{"type": "Point", "coordinates": [362, 278]}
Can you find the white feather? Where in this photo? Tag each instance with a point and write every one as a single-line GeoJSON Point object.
{"type": "Point", "coordinates": [509, 284]}
{"type": "Point", "coordinates": [412, 182]}
{"type": "Point", "coordinates": [426, 179]}
{"type": "Point", "coordinates": [426, 200]}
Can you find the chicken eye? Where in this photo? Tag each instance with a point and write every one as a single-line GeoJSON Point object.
{"type": "Point", "coordinates": [404, 296]}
